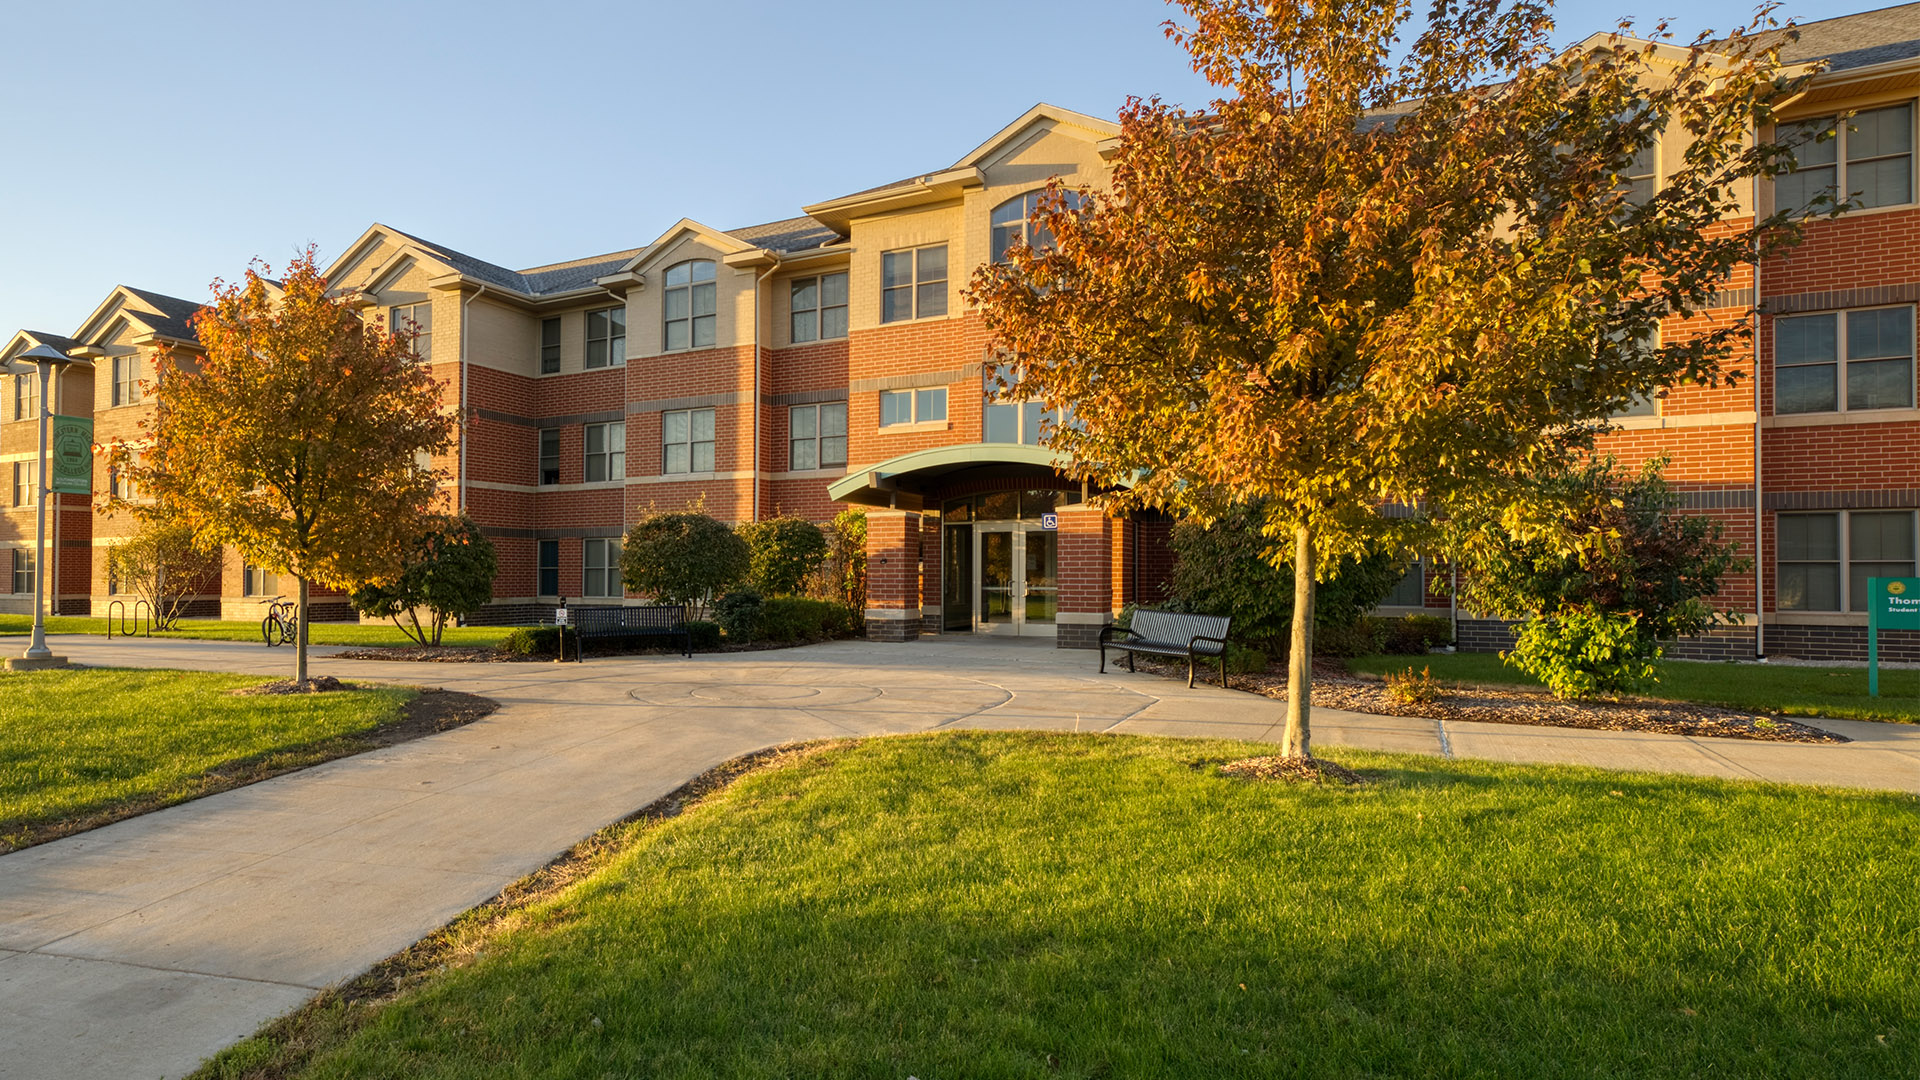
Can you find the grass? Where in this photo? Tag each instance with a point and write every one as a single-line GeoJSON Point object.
{"type": "Point", "coordinates": [80, 748]}
{"type": "Point", "coordinates": [1839, 693]}
{"type": "Point", "coordinates": [371, 634]}
{"type": "Point", "coordinates": [1016, 905]}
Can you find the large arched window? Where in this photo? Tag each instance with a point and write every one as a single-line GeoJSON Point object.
{"type": "Point", "coordinates": [1012, 221]}
{"type": "Point", "coordinates": [688, 309]}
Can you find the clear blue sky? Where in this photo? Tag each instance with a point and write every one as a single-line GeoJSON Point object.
{"type": "Point", "coordinates": [162, 145]}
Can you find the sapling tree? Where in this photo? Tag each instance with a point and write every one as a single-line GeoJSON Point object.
{"type": "Point", "coordinates": [448, 574]}
{"type": "Point", "coordinates": [1367, 275]}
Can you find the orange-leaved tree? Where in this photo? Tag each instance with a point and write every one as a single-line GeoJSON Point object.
{"type": "Point", "coordinates": [296, 439]}
{"type": "Point", "coordinates": [1357, 282]}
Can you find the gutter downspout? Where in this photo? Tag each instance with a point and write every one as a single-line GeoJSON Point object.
{"type": "Point", "coordinates": [753, 471]}
{"type": "Point", "coordinates": [460, 481]}
{"type": "Point", "coordinates": [1759, 491]}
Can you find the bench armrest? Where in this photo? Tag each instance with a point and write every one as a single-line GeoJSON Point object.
{"type": "Point", "coordinates": [1197, 639]}
{"type": "Point", "coordinates": [1108, 631]}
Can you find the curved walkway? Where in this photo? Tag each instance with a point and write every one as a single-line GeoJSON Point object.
{"type": "Point", "coordinates": [138, 949]}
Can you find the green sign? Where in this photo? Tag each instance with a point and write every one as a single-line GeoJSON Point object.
{"type": "Point", "coordinates": [71, 445]}
{"type": "Point", "coordinates": [1893, 603]}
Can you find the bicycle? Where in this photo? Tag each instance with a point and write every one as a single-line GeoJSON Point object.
{"type": "Point", "coordinates": [282, 622]}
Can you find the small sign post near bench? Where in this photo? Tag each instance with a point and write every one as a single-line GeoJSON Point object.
{"type": "Point", "coordinates": [1893, 603]}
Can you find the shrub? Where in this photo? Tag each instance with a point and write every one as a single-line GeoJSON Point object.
{"type": "Point", "coordinates": [1410, 689]}
{"type": "Point", "coordinates": [842, 576]}
{"type": "Point", "coordinates": [738, 613]}
{"type": "Point", "coordinates": [706, 635]}
{"type": "Point", "coordinates": [1413, 635]}
{"type": "Point", "coordinates": [449, 575]}
{"type": "Point", "coordinates": [161, 565]}
{"type": "Point", "coordinates": [682, 558]}
{"type": "Point", "coordinates": [794, 618]}
{"type": "Point", "coordinates": [1244, 661]}
{"type": "Point", "coordinates": [1582, 652]}
{"type": "Point", "coordinates": [533, 641]}
{"type": "Point", "coordinates": [1361, 637]}
{"type": "Point", "coordinates": [1230, 568]}
{"type": "Point", "coordinates": [781, 553]}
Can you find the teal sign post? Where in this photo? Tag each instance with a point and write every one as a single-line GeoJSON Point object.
{"type": "Point", "coordinates": [1893, 603]}
{"type": "Point", "coordinates": [71, 446]}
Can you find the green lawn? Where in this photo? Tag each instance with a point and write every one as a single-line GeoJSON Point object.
{"type": "Point", "coordinates": [214, 630]}
{"type": "Point", "coordinates": [97, 744]}
{"type": "Point", "coordinates": [1015, 905]}
{"type": "Point", "coordinates": [1840, 693]}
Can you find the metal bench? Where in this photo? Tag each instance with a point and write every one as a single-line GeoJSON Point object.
{"type": "Point", "coordinates": [656, 620]}
{"type": "Point", "coordinates": [1169, 633]}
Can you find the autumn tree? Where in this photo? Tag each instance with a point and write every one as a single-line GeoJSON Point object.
{"type": "Point", "coordinates": [1356, 280]}
{"type": "Point", "coordinates": [296, 438]}
{"type": "Point", "coordinates": [162, 565]}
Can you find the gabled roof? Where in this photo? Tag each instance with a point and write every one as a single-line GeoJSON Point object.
{"type": "Point", "coordinates": [551, 279]}
{"type": "Point", "coordinates": [156, 313]}
{"type": "Point", "coordinates": [23, 340]}
{"type": "Point", "coordinates": [1851, 41]}
{"type": "Point", "coordinates": [787, 235]}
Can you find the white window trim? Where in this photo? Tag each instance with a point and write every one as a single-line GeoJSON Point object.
{"type": "Point", "coordinates": [820, 464]}
{"type": "Point", "coordinates": [1844, 549]}
{"type": "Point", "coordinates": [396, 321]}
{"type": "Point", "coordinates": [587, 340]}
{"type": "Point", "coordinates": [559, 347]}
{"type": "Point", "coordinates": [913, 400]}
{"type": "Point", "coordinates": [607, 452]}
{"type": "Point", "coordinates": [1841, 360]}
{"type": "Point", "coordinates": [913, 289]}
{"type": "Point", "coordinates": [819, 308]}
{"type": "Point", "coordinates": [1839, 166]}
{"type": "Point", "coordinates": [691, 284]}
{"type": "Point", "coordinates": [611, 547]}
{"type": "Point", "coordinates": [690, 443]}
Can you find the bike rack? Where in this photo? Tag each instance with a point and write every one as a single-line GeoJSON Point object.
{"type": "Point", "coordinates": [138, 621]}
{"type": "Point", "coordinates": [110, 618]}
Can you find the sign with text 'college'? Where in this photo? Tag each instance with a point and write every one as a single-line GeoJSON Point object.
{"type": "Point", "coordinates": [70, 445]}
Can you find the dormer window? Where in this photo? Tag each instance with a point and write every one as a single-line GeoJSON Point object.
{"type": "Point", "coordinates": [1012, 222]}
{"type": "Point", "coordinates": [689, 306]}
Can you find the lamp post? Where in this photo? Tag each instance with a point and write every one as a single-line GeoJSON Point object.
{"type": "Point", "coordinates": [46, 360]}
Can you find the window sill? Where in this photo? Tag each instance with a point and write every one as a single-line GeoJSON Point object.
{"type": "Point", "coordinates": [1857, 416]}
{"type": "Point", "coordinates": [904, 429]}
{"type": "Point", "coordinates": [1817, 618]}
{"type": "Point", "coordinates": [915, 319]}
{"type": "Point", "coordinates": [813, 341]}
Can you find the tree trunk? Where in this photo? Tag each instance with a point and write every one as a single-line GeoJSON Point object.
{"type": "Point", "coordinates": [1298, 741]}
{"type": "Point", "coordinates": [300, 636]}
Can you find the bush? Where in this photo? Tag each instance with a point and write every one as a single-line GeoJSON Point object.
{"type": "Point", "coordinates": [1581, 652]}
{"type": "Point", "coordinates": [534, 641]}
{"type": "Point", "coordinates": [1413, 635]}
{"type": "Point", "coordinates": [682, 558]}
{"type": "Point", "coordinates": [1361, 637]}
{"type": "Point", "coordinates": [1230, 568]}
{"type": "Point", "coordinates": [738, 613]}
{"type": "Point", "coordinates": [842, 577]}
{"type": "Point", "coordinates": [161, 565]}
{"type": "Point", "coordinates": [1410, 689]}
{"type": "Point", "coordinates": [795, 619]}
{"type": "Point", "coordinates": [781, 553]}
{"type": "Point", "coordinates": [706, 635]}
{"type": "Point", "coordinates": [1244, 661]}
{"type": "Point", "coordinates": [449, 575]}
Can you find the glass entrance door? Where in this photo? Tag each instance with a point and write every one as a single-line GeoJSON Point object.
{"type": "Point", "coordinates": [1016, 568]}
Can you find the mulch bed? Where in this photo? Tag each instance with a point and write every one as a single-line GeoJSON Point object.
{"type": "Point", "coordinates": [1294, 769]}
{"type": "Point", "coordinates": [440, 654]}
{"type": "Point", "coordinates": [319, 684]}
{"type": "Point", "coordinates": [1336, 688]}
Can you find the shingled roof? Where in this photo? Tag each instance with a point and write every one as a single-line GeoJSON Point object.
{"type": "Point", "coordinates": [175, 313]}
{"type": "Point", "coordinates": [1851, 41]}
{"type": "Point", "coordinates": [787, 235]}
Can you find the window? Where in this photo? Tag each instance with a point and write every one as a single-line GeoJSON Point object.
{"type": "Point", "coordinates": [258, 582]}
{"type": "Point", "coordinates": [126, 379]}
{"type": "Point", "coordinates": [606, 452]}
{"type": "Point", "coordinates": [686, 440]}
{"type": "Point", "coordinates": [912, 406]}
{"type": "Point", "coordinates": [607, 337]}
{"type": "Point", "coordinates": [1642, 176]}
{"type": "Point", "coordinates": [417, 320]}
{"type": "Point", "coordinates": [1011, 420]}
{"type": "Point", "coordinates": [549, 456]}
{"type": "Point", "coordinates": [119, 484]}
{"type": "Point", "coordinates": [819, 308]}
{"type": "Point", "coordinates": [817, 436]}
{"type": "Point", "coordinates": [1012, 222]}
{"type": "Point", "coordinates": [913, 284]}
{"type": "Point", "coordinates": [549, 562]}
{"type": "Point", "coordinates": [1868, 351]}
{"type": "Point", "coordinates": [1870, 158]}
{"type": "Point", "coordinates": [1877, 543]}
{"type": "Point", "coordinates": [1411, 589]}
{"type": "Point", "coordinates": [26, 488]}
{"type": "Point", "coordinates": [1638, 404]}
{"type": "Point", "coordinates": [602, 577]}
{"type": "Point", "coordinates": [113, 571]}
{"type": "Point", "coordinates": [689, 305]}
{"type": "Point", "coordinates": [22, 570]}
{"type": "Point", "coordinates": [550, 346]}
{"type": "Point", "coordinates": [26, 396]}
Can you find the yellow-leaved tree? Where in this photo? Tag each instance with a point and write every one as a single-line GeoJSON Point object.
{"type": "Point", "coordinates": [296, 439]}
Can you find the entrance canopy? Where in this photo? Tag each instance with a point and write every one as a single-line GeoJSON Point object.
{"type": "Point", "coordinates": [906, 482]}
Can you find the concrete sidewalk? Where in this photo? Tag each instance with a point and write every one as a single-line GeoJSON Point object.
{"type": "Point", "coordinates": [140, 948]}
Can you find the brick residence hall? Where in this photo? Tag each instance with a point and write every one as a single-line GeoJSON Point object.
{"type": "Point", "coordinates": [829, 359]}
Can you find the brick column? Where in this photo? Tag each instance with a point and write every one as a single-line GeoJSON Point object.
{"type": "Point", "coordinates": [893, 575]}
{"type": "Point", "coordinates": [1086, 575]}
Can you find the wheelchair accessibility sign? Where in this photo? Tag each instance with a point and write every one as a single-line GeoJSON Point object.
{"type": "Point", "coordinates": [1050, 521]}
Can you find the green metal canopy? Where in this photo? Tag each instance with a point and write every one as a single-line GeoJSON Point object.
{"type": "Point", "coordinates": [905, 481]}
